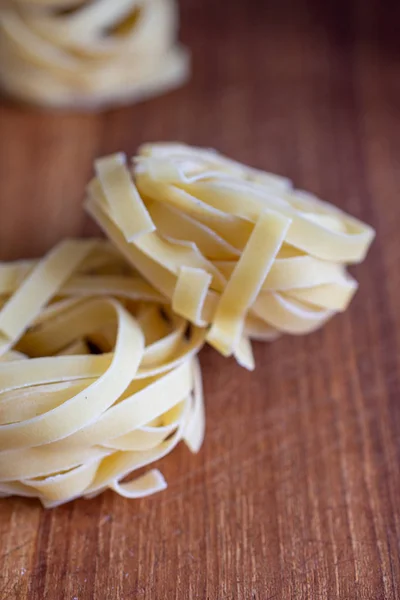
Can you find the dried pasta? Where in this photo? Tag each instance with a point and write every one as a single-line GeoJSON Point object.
{"type": "Point", "coordinates": [99, 339]}
{"type": "Point", "coordinates": [89, 53]}
{"type": "Point", "coordinates": [98, 378]}
{"type": "Point", "coordinates": [235, 250]}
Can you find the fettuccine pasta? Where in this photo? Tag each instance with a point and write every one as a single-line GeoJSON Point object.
{"type": "Point", "coordinates": [98, 341]}
{"type": "Point", "coordinates": [235, 250]}
{"type": "Point", "coordinates": [89, 53]}
{"type": "Point", "coordinates": [98, 378]}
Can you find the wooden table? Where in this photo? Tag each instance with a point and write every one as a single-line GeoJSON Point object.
{"type": "Point", "coordinates": [296, 492]}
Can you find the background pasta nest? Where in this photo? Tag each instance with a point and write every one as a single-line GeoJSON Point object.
{"type": "Point", "coordinates": [74, 53]}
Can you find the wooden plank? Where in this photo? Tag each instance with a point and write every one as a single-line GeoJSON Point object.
{"type": "Point", "coordinates": [295, 493]}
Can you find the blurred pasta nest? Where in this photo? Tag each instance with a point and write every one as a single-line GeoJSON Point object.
{"type": "Point", "coordinates": [97, 377]}
{"type": "Point", "coordinates": [235, 250]}
{"type": "Point", "coordinates": [89, 53]}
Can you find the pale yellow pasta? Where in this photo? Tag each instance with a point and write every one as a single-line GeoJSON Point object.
{"type": "Point", "coordinates": [73, 422]}
{"type": "Point", "coordinates": [89, 53]}
{"type": "Point", "coordinates": [98, 341]}
{"type": "Point", "coordinates": [235, 250]}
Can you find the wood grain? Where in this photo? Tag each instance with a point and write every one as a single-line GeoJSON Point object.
{"type": "Point", "coordinates": [296, 492]}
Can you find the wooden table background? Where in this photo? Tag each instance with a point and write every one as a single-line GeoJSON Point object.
{"type": "Point", "coordinates": [296, 492]}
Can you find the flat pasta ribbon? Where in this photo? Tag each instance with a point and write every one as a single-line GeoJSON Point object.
{"type": "Point", "coordinates": [98, 378]}
{"type": "Point", "coordinates": [235, 250]}
{"type": "Point", "coordinates": [81, 53]}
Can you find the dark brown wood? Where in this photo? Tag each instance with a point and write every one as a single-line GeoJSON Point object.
{"type": "Point", "coordinates": [296, 492]}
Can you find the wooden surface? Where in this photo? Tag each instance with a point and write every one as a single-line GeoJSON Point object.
{"type": "Point", "coordinates": [296, 492]}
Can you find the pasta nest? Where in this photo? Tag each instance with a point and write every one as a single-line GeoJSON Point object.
{"type": "Point", "coordinates": [97, 377]}
{"type": "Point", "coordinates": [234, 250]}
{"type": "Point", "coordinates": [76, 53]}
